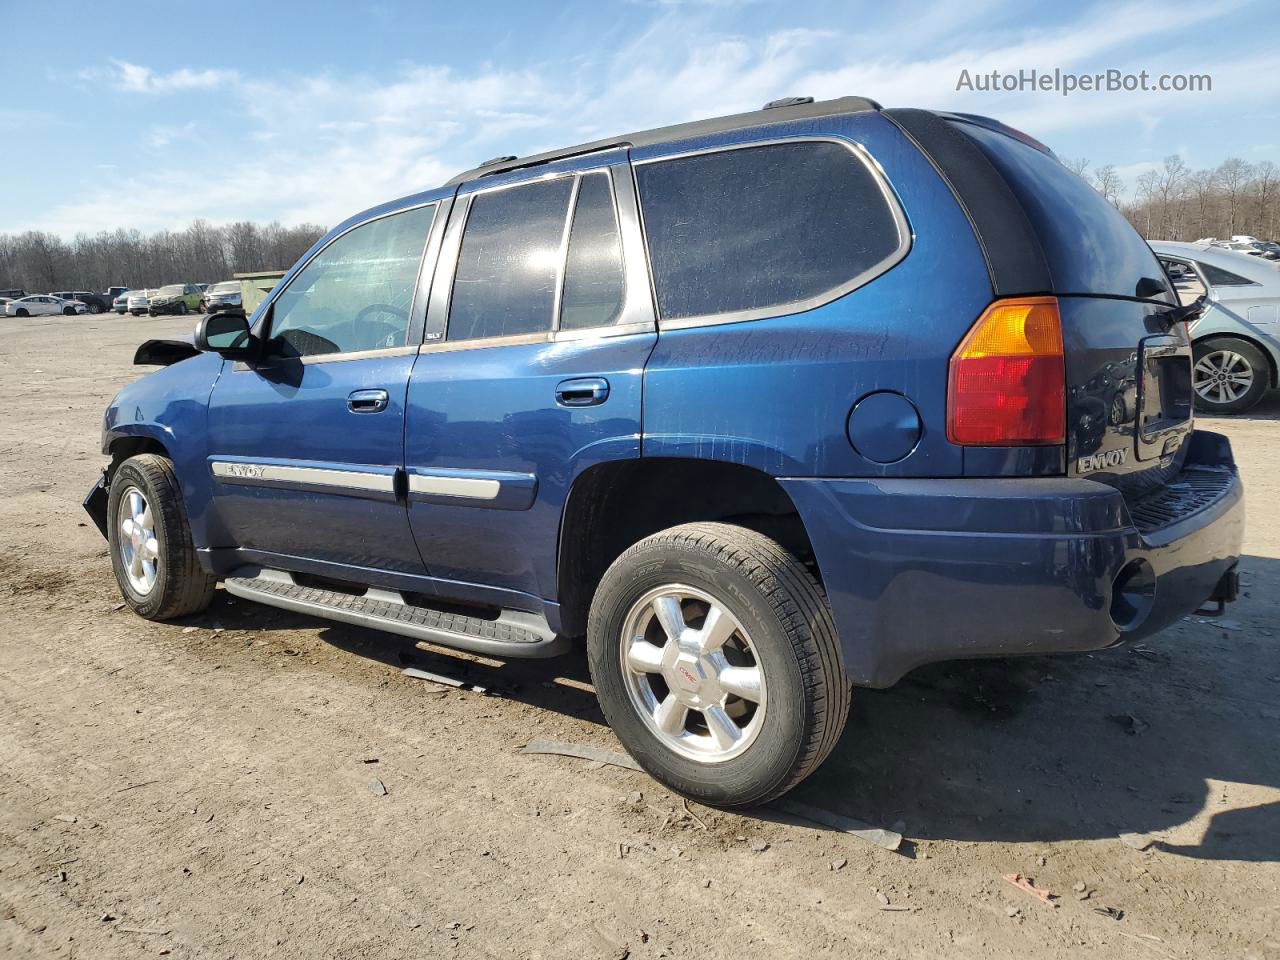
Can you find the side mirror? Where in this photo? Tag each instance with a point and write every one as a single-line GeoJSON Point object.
{"type": "Point", "coordinates": [226, 334]}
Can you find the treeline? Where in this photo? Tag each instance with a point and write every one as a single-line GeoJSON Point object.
{"type": "Point", "coordinates": [1174, 202]}
{"type": "Point", "coordinates": [40, 262]}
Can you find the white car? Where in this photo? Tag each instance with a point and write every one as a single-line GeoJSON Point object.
{"type": "Point", "coordinates": [43, 305]}
{"type": "Point", "coordinates": [139, 302]}
{"type": "Point", "coordinates": [1236, 341]}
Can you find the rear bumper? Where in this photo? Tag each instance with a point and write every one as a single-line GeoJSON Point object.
{"type": "Point", "coordinates": [938, 569]}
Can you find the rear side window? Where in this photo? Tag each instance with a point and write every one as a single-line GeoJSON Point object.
{"type": "Point", "coordinates": [1090, 247]}
{"type": "Point", "coordinates": [509, 263]}
{"type": "Point", "coordinates": [767, 229]}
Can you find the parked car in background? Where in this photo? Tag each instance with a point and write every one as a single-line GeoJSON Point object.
{"type": "Point", "coordinates": [96, 302]}
{"type": "Point", "coordinates": [224, 297]}
{"type": "Point", "coordinates": [15, 294]}
{"type": "Point", "coordinates": [1236, 341]}
{"type": "Point", "coordinates": [112, 292]}
{"type": "Point", "coordinates": [179, 298]}
{"type": "Point", "coordinates": [44, 304]}
{"type": "Point", "coordinates": [120, 302]}
{"type": "Point", "coordinates": [139, 301]}
{"type": "Point", "coordinates": [754, 467]}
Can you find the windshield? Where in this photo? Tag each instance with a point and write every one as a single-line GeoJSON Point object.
{"type": "Point", "coordinates": [227, 286]}
{"type": "Point", "coordinates": [172, 290]}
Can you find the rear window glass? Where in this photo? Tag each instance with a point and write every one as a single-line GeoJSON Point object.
{"type": "Point", "coordinates": [1218, 277]}
{"type": "Point", "coordinates": [1090, 246]}
{"type": "Point", "coordinates": [762, 228]}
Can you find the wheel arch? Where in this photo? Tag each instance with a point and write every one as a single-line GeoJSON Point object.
{"type": "Point", "coordinates": [1272, 364]}
{"type": "Point", "coordinates": [614, 504]}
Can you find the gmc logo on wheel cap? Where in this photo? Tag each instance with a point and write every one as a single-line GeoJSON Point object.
{"type": "Point", "coordinates": [1104, 460]}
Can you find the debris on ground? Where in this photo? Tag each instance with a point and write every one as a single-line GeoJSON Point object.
{"type": "Point", "coordinates": [1138, 841]}
{"type": "Point", "coordinates": [839, 864]}
{"type": "Point", "coordinates": [1027, 885]}
{"type": "Point", "coordinates": [146, 931]}
{"type": "Point", "coordinates": [440, 678]}
{"type": "Point", "coordinates": [66, 818]}
{"type": "Point", "coordinates": [377, 788]}
{"type": "Point", "coordinates": [759, 846]}
{"type": "Point", "coordinates": [583, 751]}
{"type": "Point", "coordinates": [888, 839]}
{"type": "Point", "coordinates": [1110, 912]}
{"type": "Point", "coordinates": [1128, 723]}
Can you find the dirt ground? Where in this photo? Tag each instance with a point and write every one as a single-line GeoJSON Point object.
{"type": "Point", "coordinates": [210, 788]}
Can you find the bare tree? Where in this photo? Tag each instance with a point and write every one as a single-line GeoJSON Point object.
{"type": "Point", "coordinates": [40, 262]}
{"type": "Point", "coordinates": [1108, 183]}
{"type": "Point", "coordinates": [1077, 165]}
{"type": "Point", "coordinates": [1233, 177]}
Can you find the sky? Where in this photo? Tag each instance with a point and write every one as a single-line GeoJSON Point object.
{"type": "Point", "coordinates": [149, 115]}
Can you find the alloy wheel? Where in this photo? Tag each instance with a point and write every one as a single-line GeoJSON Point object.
{"type": "Point", "coordinates": [692, 673]}
{"type": "Point", "coordinates": [139, 547]}
{"type": "Point", "coordinates": [1222, 376]}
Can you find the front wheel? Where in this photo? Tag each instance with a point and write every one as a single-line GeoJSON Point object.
{"type": "Point", "coordinates": [152, 553]}
{"type": "Point", "coordinates": [716, 661]}
{"type": "Point", "coordinates": [1229, 375]}
{"type": "Point", "coordinates": [69, 312]}
{"type": "Point", "coordinates": [182, 309]}
{"type": "Point", "coordinates": [95, 308]}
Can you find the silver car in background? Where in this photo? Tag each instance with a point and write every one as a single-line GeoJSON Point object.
{"type": "Point", "coordinates": [1236, 341]}
{"type": "Point", "coordinates": [140, 302]}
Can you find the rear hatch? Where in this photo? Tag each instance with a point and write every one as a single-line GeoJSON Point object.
{"type": "Point", "coordinates": [1128, 365]}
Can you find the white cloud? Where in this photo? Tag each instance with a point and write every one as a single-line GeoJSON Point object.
{"type": "Point", "coordinates": [320, 147]}
{"type": "Point", "coordinates": [134, 78]}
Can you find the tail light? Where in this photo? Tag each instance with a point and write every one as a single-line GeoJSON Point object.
{"type": "Point", "coordinates": [1007, 381]}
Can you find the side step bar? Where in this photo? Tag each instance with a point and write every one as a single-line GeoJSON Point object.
{"type": "Point", "coordinates": [514, 634]}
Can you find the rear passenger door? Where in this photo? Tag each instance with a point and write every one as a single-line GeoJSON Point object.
{"type": "Point", "coordinates": [539, 327]}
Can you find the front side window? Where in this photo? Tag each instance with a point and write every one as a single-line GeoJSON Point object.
{"type": "Point", "coordinates": [762, 228]}
{"type": "Point", "coordinates": [356, 293]}
{"type": "Point", "coordinates": [509, 263]}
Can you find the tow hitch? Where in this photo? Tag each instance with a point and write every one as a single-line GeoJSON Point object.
{"type": "Point", "coordinates": [1227, 590]}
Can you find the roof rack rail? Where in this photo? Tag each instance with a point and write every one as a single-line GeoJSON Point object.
{"type": "Point", "coordinates": [786, 102]}
{"type": "Point", "coordinates": [793, 108]}
{"type": "Point", "coordinates": [503, 159]}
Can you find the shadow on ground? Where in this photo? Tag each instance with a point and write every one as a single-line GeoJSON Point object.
{"type": "Point", "coordinates": [1027, 749]}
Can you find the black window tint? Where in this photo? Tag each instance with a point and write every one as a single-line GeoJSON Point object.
{"type": "Point", "coordinates": [356, 293]}
{"type": "Point", "coordinates": [593, 282]}
{"type": "Point", "coordinates": [1218, 277]}
{"type": "Point", "coordinates": [761, 227]}
{"type": "Point", "coordinates": [1089, 245]}
{"type": "Point", "coordinates": [509, 261]}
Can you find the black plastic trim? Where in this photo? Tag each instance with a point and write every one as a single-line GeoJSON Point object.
{"type": "Point", "coordinates": [1015, 258]}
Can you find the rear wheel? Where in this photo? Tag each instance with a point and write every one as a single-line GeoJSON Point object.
{"type": "Point", "coordinates": [21, 312]}
{"type": "Point", "coordinates": [152, 553]}
{"type": "Point", "coordinates": [1228, 375]}
{"type": "Point", "coordinates": [716, 662]}
{"type": "Point", "coordinates": [182, 309]}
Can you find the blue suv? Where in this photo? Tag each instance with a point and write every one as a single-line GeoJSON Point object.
{"type": "Point", "coordinates": [764, 407]}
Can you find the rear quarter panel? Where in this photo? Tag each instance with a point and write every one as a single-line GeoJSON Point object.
{"type": "Point", "coordinates": [775, 394]}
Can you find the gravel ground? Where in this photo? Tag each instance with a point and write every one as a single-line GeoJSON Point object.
{"type": "Point", "coordinates": [251, 783]}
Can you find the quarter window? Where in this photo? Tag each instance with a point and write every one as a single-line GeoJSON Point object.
{"type": "Point", "coordinates": [509, 263]}
{"type": "Point", "coordinates": [593, 282]}
{"type": "Point", "coordinates": [762, 228]}
{"type": "Point", "coordinates": [1218, 277]}
{"type": "Point", "coordinates": [356, 293]}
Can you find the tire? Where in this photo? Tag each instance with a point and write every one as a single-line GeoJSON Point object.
{"type": "Point", "coordinates": [21, 312]}
{"type": "Point", "coordinates": [178, 584]}
{"type": "Point", "coordinates": [182, 310]}
{"type": "Point", "coordinates": [781, 621]}
{"type": "Point", "coordinates": [96, 308]}
{"type": "Point", "coordinates": [69, 312]}
{"type": "Point", "coordinates": [1246, 365]}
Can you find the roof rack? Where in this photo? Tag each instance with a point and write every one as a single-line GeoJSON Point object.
{"type": "Point", "coordinates": [776, 111]}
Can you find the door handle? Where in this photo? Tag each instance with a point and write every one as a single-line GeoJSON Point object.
{"type": "Point", "coordinates": [582, 392]}
{"type": "Point", "coordinates": [367, 401]}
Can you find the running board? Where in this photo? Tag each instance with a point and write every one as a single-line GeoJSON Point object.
{"type": "Point", "coordinates": [513, 634]}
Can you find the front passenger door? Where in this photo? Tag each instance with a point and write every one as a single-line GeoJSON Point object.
{"type": "Point", "coordinates": [306, 445]}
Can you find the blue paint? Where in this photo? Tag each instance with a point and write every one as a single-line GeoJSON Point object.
{"type": "Point", "coordinates": [927, 550]}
